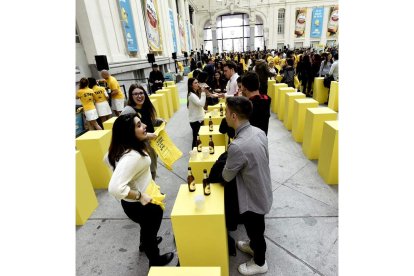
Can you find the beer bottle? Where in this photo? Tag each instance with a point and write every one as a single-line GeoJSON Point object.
{"type": "Point", "coordinates": [191, 181]}
{"type": "Point", "coordinates": [221, 110]}
{"type": "Point", "coordinates": [206, 184]}
{"type": "Point", "coordinates": [211, 145]}
{"type": "Point", "coordinates": [210, 124]}
{"type": "Point", "coordinates": [199, 145]}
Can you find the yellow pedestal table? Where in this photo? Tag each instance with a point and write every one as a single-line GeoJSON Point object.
{"type": "Point", "coordinates": [201, 235]}
{"type": "Point", "coordinates": [328, 155]}
{"type": "Point", "coordinates": [184, 271]}
{"type": "Point", "coordinates": [320, 92]}
{"type": "Point", "coordinates": [270, 86]}
{"type": "Point", "coordinates": [289, 98]}
{"type": "Point", "coordinates": [156, 106]}
{"type": "Point", "coordinates": [94, 145]}
{"type": "Point", "coordinates": [333, 96]}
{"type": "Point", "coordinates": [108, 124]}
{"type": "Point", "coordinates": [312, 134]}
{"type": "Point", "coordinates": [175, 99]}
{"type": "Point", "coordinates": [298, 117]}
{"type": "Point", "coordinates": [168, 83]}
{"type": "Point", "coordinates": [198, 163]}
{"type": "Point", "coordinates": [219, 139]}
{"type": "Point", "coordinates": [86, 201]}
{"type": "Point", "coordinates": [162, 104]}
{"type": "Point", "coordinates": [275, 99]}
{"type": "Point", "coordinates": [215, 117]}
{"type": "Point", "coordinates": [217, 106]}
{"type": "Point", "coordinates": [281, 100]}
{"type": "Point", "coordinates": [169, 97]}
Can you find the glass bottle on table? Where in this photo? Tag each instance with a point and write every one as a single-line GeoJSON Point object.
{"type": "Point", "coordinates": [191, 181]}
{"type": "Point", "coordinates": [221, 110]}
{"type": "Point", "coordinates": [206, 183]}
{"type": "Point", "coordinates": [199, 145]}
{"type": "Point", "coordinates": [210, 124]}
{"type": "Point", "coordinates": [211, 144]}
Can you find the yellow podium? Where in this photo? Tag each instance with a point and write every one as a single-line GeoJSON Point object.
{"type": "Point", "coordinates": [156, 106]}
{"type": "Point", "coordinates": [298, 117]}
{"type": "Point", "coordinates": [86, 201]}
{"type": "Point", "coordinates": [201, 235]}
{"type": "Point", "coordinates": [320, 92]}
{"type": "Point", "coordinates": [184, 271]}
{"type": "Point", "coordinates": [289, 98]}
{"type": "Point", "coordinates": [275, 100]}
{"type": "Point", "coordinates": [215, 117]}
{"type": "Point", "coordinates": [219, 139]}
{"type": "Point", "coordinates": [312, 134]}
{"type": "Point", "coordinates": [175, 100]}
{"type": "Point", "coordinates": [108, 124]}
{"type": "Point", "coordinates": [198, 163]}
{"type": "Point", "coordinates": [162, 104]}
{"type": "Point", "coordinates": [281, 100]}
{"type": "Point", "coordinates": [270, 86]}
{"type": "Point", "coordinates": [333, 96]}
{"type": "Point", "coordinates": [169, 97]}
{"type": "Point", "coordinates": [94, 145]}
{"type": "Point", "coordinates": [217, 106]}
{"type": "Point", "coordinates": [168, 83]}
{"type": "Point", "coordinates": [328, 156]}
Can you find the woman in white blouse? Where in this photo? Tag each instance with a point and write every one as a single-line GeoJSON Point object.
{"type": "Point", "coordinates": [131, 183]}
{"type": "Point", "coordinates": [196, 99]}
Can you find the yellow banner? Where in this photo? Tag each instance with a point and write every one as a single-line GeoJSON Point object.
{"type": "Point", "coordinates": [165, 148]}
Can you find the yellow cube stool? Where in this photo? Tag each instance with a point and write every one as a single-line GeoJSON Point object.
{"type": "Point", "coordinates": [174, 93]}
{"type": "Point", "coordinates": [156, 106]}
{"type": "Point", "coordinates": [333, 96]}
{"type": "Point", "coordinates": [312, 134]}
{"type": "Point", "coordinates": [215, 117]}
{"type": "Point", "coordinates": [162, 104]}
{"type": "Point", "coordinates": [271, 94]}
{"type": "Point", "coordinates": [275, 100]}
{"type": "Point", "coordinates": [298, 118]}
{"type": "Point", "coordinates": [169, 83]}
{"type": "Point", "coordinates": [184, 271]}
{"type": "Point", "coordinates": [219, 139]}
{"type": "Point", "coordinates": [279, 78]}
{"type": "Point", "coordinates": [169, 98]}
{"type": "Point", "coordinates": [281, 100]}
{"type": "Point", "coordinates": [217, 106]}
{"type": "Point", "coordinates": [94, 145]}
{"type": "Point", "coordinates": [201, 235]}
{"type": "Point", "coordinates": [190, 75]}
{"type": "Point", "coordinates": [320, 92]}
{"type": "Point", "coordinates": [198, 163]}
{"type": "Point", "coordinates": [86, 201]}
{"type": "Point", "coordinates": [270, 86]}
{"type": "Point", "coordinates": [289, 98]}
{"type": "Point", "coordinates": [108, 124]}
{"type": "Point", "coordinates": [328, 156]}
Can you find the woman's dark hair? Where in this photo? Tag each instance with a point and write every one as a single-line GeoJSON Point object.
{"type": "Point", "coordinates": [123, 139]}
{"type": "Point", "coordinates": [202, 77]}
{"type": "Point", "coordinates": [190, 89]}
{"type": "Point", "coordinates": [146, 106]}
{"type": "Point", "coordinates": [83, 83]}
{"type": "Point", "coordinates": [92, 82]}
{"type": "Point", "coordinates": [199, 65]}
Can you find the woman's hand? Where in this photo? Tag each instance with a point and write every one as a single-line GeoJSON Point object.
{"type": "Point", "coordinates": [151, 136]}
{"type": "Point", "coordinates": [145, 199]}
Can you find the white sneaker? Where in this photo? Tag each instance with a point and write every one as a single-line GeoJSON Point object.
{"type": "Point", "coordinates": [244, 246]}
{"type": "Point", "coordinates": [250, 268]}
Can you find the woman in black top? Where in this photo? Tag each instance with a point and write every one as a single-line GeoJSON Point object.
{"type": "Point", "coordinates": [218, 84]}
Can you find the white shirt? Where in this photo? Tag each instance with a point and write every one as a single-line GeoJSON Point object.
{"type": "Point", "coordinates": [334, 70]}
{"type": "Point", "coordinates": [196, 107]}
{"type": "Point", "coordinates": [231, 87]}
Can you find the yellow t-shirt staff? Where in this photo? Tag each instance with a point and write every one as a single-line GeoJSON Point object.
{"type": "Point", "coordinates": [85, 94]}
{"type": "Point", "coordinates": [101, 100]}
{"type": "Point", "coordinates": [116, 93]}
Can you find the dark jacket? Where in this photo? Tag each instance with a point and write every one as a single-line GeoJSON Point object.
{"type": "Point", "coordinates": [153, 76]}
{"type": "Point", "coordinates": [261, 112]}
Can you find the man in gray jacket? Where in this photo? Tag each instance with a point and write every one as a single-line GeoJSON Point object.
{"type": "Point", "coordinates": [248, 162]}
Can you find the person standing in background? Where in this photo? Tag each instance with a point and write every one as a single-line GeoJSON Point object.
{"type": "Point", "coordinates": [196, 99]}
{"type": "Point", "coordinates": [117, 97]}
{"type": "Point", "coordinates": [85, 94]}
{"type": "Point", "coordinates": [101, 100]}
{"type": "Point", "coordinates": [156, 78]}
{"type": "Point", "coordinates": [229, 70]}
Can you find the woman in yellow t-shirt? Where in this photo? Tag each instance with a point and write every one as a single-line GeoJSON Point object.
{"type": "Point", "coordinates": [85, 94]}
{"type": "Point", "coordinates": [101, 100]}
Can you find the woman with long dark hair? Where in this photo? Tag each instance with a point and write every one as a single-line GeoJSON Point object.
{"type": "Point", "coordinates": [196, 99]}
{"type": "Point", "coordinates": [131, 183]}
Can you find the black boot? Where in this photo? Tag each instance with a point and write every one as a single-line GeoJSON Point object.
{"type": "Point", "coordinates": [162, 260]}
{"type": "Point", "coordinates": [141, 247]}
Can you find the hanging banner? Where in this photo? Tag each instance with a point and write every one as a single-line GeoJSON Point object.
{"type": "Point", "coordinates": [188, 36]}
{"type": "Point", "coordinates": [333, 21]}
{"type": "Point", "coordinates": [182, 34]}
{"type": "Point", "coordinates": [174, 36]}
{"type": "Point", "coordinates": [317, 22]}
{"type": "Point", "coordinates": [128, 25]}
{"type": "Point", "coordinates": [300, 22]}
{"type": "Point", "coordinates": [152, 24]}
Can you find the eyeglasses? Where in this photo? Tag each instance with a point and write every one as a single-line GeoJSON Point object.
{"type": "Point", "coordinates": [138, 94]}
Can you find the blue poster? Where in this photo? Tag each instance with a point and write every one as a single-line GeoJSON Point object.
{"type": "Point", "coordinates": [128, 24]}
{"type": "Point", "coordinates": [173, 30]}
{"type": "Point", "coordinates": [317, 22]}
{"type": "Point", "coordinates": [188, 36]}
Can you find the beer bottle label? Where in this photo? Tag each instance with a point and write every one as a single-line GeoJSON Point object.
{"type": "Point", "coordinates": [211, 127]}
{"type": "Point", "coordinates": [211, 149]}
{"type": "Point", "coordinates": [192, 186]}
{"type": "Point", "coordinates": [207, 190]}
{"type": "Point", "coordinates": [199, 147]}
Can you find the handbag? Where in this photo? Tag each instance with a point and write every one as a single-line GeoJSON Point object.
{"type": "Point", "coordinates": [327, 81]}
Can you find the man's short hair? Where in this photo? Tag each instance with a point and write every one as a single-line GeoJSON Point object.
{"type": "Point", "coordinates": [250, 81]}
{"type": "Point", "coordinates": [289, 61]}
{"type": "Point", "coordinates": [230, 64]}
{"type": "Point", "coordinates": [242, 106]}
{"type": "Point", "coordinates": [154, 65]}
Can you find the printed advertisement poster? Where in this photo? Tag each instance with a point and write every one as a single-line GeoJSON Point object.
{"type": "Point", "coordinates": [182, 34]}
{"type": "Point", "coordinates": [128, 25]}
{"type": "Point", "coordinates": [333, 22]}
{"type": "Point", "coordinates": [152, 24]}
{"type": "Point", "coordinates": [317, 22]}
{"type": "Point", "coordinates": [188, 37]}
{"type": "Point", "coordinates": [300, 22]}
{"type": "Point", "coordinates": [174, 36]}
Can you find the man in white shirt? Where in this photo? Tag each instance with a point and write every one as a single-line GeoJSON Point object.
{"type": "Point", "coordinates": [334, 68]}
{"type": "Point", "coordinates": [229, 71]}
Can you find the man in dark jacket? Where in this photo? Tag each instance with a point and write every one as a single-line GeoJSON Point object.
{"type": "Point", "coordinates": [156, 78]}
{"type": "Point", "coordinates": [209, 69]}
{"type": "Point", "coordinates": [261, 103]}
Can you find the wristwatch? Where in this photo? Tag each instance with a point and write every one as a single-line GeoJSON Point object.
{"type": "Point", "coordinates": [138, 196]}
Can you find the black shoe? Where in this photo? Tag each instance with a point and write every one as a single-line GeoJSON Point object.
{"type": "Point", "coordinates": [162, 260]}
{"type": "Point", "coordinates": [141, 247]}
